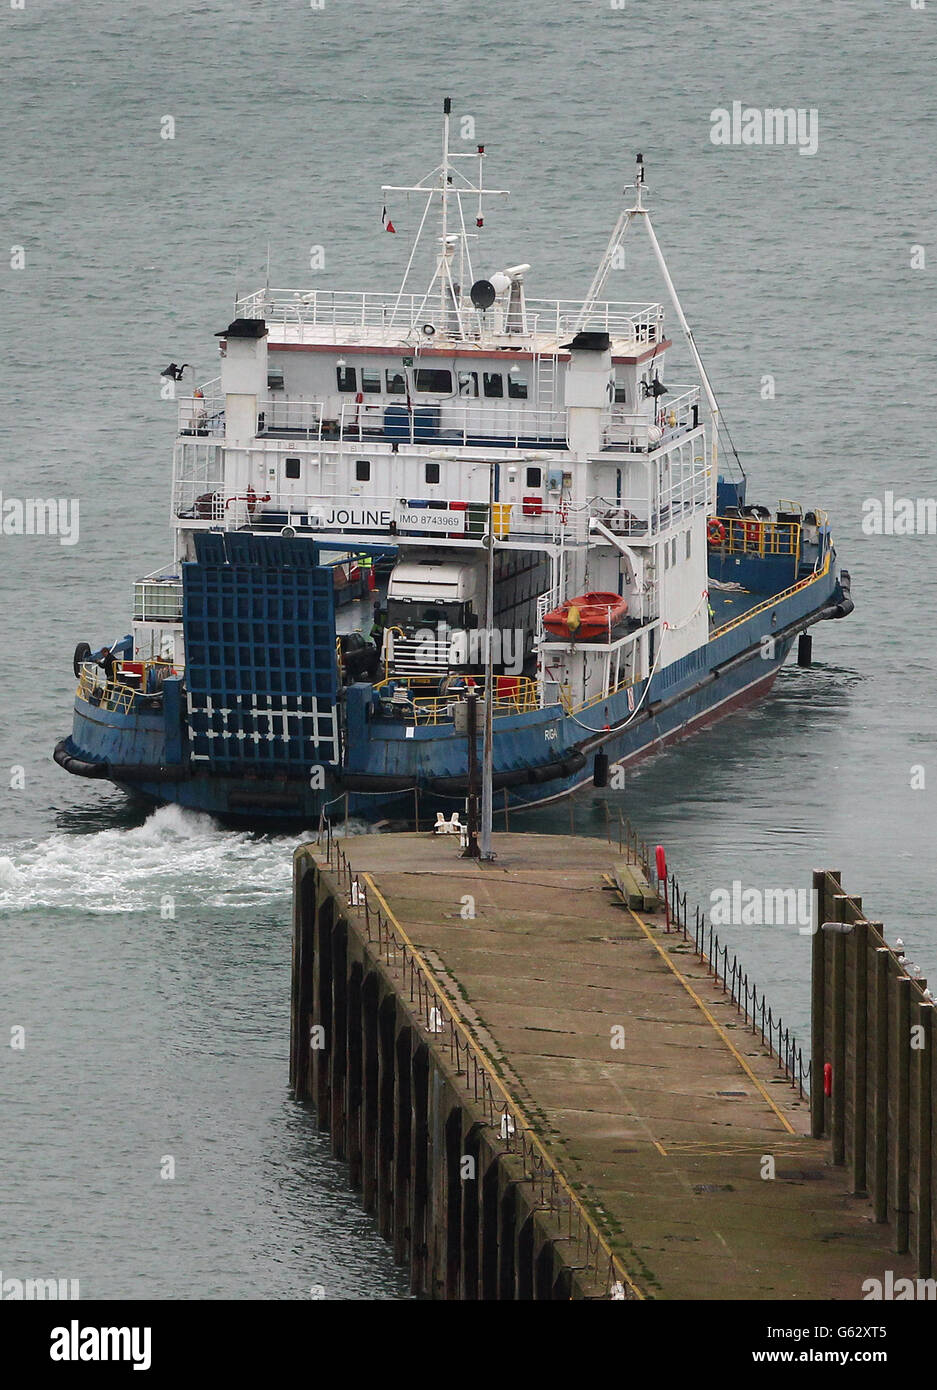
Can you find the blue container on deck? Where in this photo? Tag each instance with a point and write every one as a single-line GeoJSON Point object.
{"type": "Point", "coordinates": [425, 422]}
{"type": "Point", "coordinates": [729, 494]}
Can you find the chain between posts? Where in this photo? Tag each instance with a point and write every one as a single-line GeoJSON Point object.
{"type": "Point", "coordinates": [744, 993]}
{"type": "Point", "coordinates": [592, 1253]}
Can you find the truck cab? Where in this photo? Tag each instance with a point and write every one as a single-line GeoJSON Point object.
{"type": "Point", "coordinates": [430, 598]}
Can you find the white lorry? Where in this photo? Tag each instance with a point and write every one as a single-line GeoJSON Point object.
{"type": "Point", "coordinates": [436, 612]}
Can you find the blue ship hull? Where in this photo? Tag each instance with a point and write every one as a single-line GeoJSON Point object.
{"type": "Point", "coordinates": [387, 771]}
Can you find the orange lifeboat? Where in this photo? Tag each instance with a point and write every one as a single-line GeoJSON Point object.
{"type": "Point", "coordinates": [586, 617]}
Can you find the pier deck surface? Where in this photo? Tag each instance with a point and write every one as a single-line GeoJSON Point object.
{"type": "Point", "coordinates": [665, 1138]}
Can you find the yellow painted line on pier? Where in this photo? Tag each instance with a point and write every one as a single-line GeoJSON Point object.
{"type": "Point", "coordinates": [515, 1109]}
{"type": "Point", "coordinates": [723, 1035]}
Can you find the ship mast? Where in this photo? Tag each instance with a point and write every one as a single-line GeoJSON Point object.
{"type": "Point", "coordinates": [601, 275]}
{"type": "Point", "coordinates": [448, 185]}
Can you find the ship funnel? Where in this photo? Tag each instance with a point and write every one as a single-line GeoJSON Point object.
{"type": "Point", "coordinates": [243, 377]}
{"type": "Point", "coordinates": [588, 376]}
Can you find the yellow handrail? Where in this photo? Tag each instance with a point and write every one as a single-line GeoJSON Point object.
{"type": "Point", "coordinates": [436, 709]}
{"type": "Point", "coordinates": [116, 697]}
{"type": "Point", "coordinates": [774, 599]}
{"type": "Point", "coordinates": [747, 535]}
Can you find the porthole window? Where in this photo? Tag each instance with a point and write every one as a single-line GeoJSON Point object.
{"type": "Point", "coordinates": [534, 477]}
{"type": "Point", "coordinates": [432, 472]}
{"type": "Point", "coordinates": [363, 470]}
{"type": "Point", "coordinates": [293, 466]}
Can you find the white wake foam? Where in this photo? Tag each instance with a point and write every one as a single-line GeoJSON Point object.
{"type": "Point", "coordinates": [174, 851]}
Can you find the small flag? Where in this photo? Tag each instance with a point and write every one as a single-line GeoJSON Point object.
{"type": "Point", "coordinates": [387, 224]}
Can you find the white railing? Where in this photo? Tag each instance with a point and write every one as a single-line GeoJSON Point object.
{"type": "Point", "coordinates": [157, 597]}
{"type": "Point", "coordinates": [293, 414]}
{"type": "Point", "coordinates": [206, 503]}
{"type": "Point", "coordinates": [509, 425]}
{"type": "Point", "coordinates": [639, 433]}
{"type": "Point", "coordinates": [426, 422]}
{"type": "Point", "coordinates": [203, 411]}
{"type": "Point", "coordinates": [642, 323]}
{"type": "Point", "coordinates": [685, 486]}
{"type": "Point", "coordinates": [367, 311]}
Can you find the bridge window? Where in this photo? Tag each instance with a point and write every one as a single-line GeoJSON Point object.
{"type": "Point", "coordinates": [689, 543]}
{"type": "Point", "coordinates": [534, 477]}
{"type": "Point", "coordinates": [363, 470]}
{"type": "Point", "coordinates": [275, 380]}
{"type": "Point", "coordinates": [434, 380]}
{"type": "Point", "coordinates": [347, 378]}
{"type": "Point", "coordinates": [620, 398]}
{"type": "Point", "coordinates": [468, 383]}
{"type": "Point", "coordinates": [517, 387]}
{"type": "Point", "coordinates": [292, 468]}
{"type": "Point", "coordinates": [396, 383]}
{"type": "Point", "coordinates": [371, 380]}
{"type": "Point", "coordinates": [432, 472]}
{"type": "Point", "coordinates": [493, 383]}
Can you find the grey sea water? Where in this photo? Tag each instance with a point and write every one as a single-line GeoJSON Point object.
{"type": "Point", "coordinates": [149, 1036]}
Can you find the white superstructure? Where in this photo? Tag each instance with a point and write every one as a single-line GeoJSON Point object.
{"type": "Point", "coordinates": [363, 418]}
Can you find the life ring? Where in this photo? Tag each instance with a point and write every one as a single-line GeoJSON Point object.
{"type": "Point", "coordinates": [753, 533]}
{"type": "Point", "coordinates": [715, 531]}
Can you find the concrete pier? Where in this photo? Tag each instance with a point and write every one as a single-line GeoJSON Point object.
{"type": "Point", "coordinates": [541, 1093]}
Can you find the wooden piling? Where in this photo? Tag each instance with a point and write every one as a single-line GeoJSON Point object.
{"type": "Point", "coordinates": [818, 1038]}
{"type": "Point", "coordinates": [859, 1046]}
{"type": "Point", "coordinates": [881, 960]}
{"type": "Point", "coordinates": [922, 1083]}
{"type": "Point", "coordinates": [901, 1045]}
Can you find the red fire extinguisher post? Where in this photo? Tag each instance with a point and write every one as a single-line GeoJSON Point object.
{"type": "Point", "coordinates": [661, 858]}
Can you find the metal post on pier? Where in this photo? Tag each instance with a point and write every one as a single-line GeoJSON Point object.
{"type": "Point", "coordinates": [471, 724]}
{"type": "Point", "coordinates": [485, 850]}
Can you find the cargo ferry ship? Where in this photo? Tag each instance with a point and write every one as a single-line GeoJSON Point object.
{"type": "Point", "coordinates": [533, 510]}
